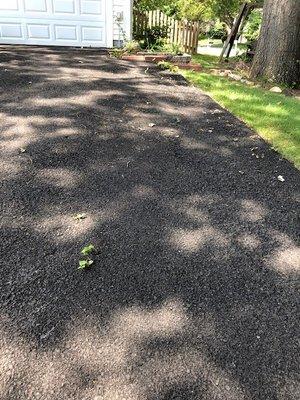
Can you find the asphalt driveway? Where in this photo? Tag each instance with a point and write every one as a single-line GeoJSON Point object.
{"type": "Point", "coordinates": [194, 289]}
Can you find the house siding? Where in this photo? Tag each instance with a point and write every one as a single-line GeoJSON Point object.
{"type": "Point", "coordinates": [123, 29]}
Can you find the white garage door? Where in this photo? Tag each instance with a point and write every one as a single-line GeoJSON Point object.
{"type": "Point", "coordinates": [55, 22]}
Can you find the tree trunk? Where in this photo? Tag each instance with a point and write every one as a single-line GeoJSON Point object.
{"type": "Point", "coordinates": [277, 56]}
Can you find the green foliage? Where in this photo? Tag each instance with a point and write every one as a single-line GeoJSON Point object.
{"type": "Point", "coordinates": [131, 46]}
{"type": "Point", "coordinates": [166, 65]}
{"type": "Point", "coordinates": [172, 48]}
{"type": "Point", "coordinates": [116, 53]}
{"type": "Point", "coordinates": [252, 27]}
{"type": "Point", "coordinates": [225, 10]}
{"type": "Point", "coordinates": [88, 250]}
{"type": "Point", "coordinates": [154, 37]}
{"type": "Point", "coordinates": [193, 10]}
{"type": "Point", "coordinates": [151, 4]}
{"type": "Point", "coordinates": [85, 263]}
{"type": "Point", "coordinates": [217, 31]}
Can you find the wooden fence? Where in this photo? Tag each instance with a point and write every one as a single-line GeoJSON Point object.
{"type": "Point", "coordinates": [183, 33]}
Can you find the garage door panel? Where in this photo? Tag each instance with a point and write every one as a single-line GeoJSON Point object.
{"type": "Point", "coordinates": [53, 22]}
{"type": "Point", "coordinates": [36, 6]}
{"type": "Point", "coordinates": [64, 7]}
{"type": "Point", "coordinates": [10, 5]}
{"type": "Point", "coordinates": [65, 32]}
{"type": "Point", "coordinates": [38, 31]}
{"type": "Point", "coordinates": [92, 34]}
{"type": "Point", "coordinates": [11, 30]}
{"type": "Point", "coordinates": [91, 7]}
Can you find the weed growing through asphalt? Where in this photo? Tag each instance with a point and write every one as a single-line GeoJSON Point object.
{"type": "Point", "coordinates": [86, 252]}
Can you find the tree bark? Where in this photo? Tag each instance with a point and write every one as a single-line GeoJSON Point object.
{"type": "Point", "coordinates": [277, 56]}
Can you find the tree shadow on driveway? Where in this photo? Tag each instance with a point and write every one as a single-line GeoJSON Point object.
{"type": "Point", "coordinates": [193, 294]}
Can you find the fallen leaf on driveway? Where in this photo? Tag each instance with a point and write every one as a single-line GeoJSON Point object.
{"type": "Point", "coordinates": [85, 263]}
{"type": "Point", "coordinates": [88, 250]}
{"type": "Point", "coordinates": [280, 178]}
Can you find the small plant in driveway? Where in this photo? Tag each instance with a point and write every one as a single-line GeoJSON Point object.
{"type": "Point", "coordinates": [86, 252]}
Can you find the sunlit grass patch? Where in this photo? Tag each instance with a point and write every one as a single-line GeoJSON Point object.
{"type": "Point", "coordinates": [275, 117]}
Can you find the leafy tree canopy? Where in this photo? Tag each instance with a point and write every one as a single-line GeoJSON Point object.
{"type": "Point", "coordinates": [224, 10]}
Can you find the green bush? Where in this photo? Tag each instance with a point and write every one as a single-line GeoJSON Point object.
{"type": "Point", "coordinates": [166, 65]}
{"type": "Point", "coordinates": [154, 37]}
{"type": "Point", "coordinates": [132, 46]}
{"type": "Point", "coordinates": [217, 31]}
{"type": "Point", "coordinates": [252, 27]}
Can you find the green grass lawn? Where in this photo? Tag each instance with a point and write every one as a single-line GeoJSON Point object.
{"type": "Point", "coordinates": [275, 117]}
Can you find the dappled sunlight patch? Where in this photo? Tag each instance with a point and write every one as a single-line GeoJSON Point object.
{"type": "Point", "coordinates": [285, 261]}
{"type": "Point", "coordinates": [164, 321]}
{"type": "Point", "coordinates": [114, 210]}
{"type": "Point", "coordinates": [64, 227]}
{"type": "Point", "coordinates": [22, 132]}
{"type": "Point", "coordinates": [138, 353]}
{"type": "Point", "coordinates": [225, 151]}
{"type": "Point", "coordinates": [252, 211]}
{"type": "Point", "coordinates": [63, 132]}
{"type": "Point", "coordinates": [248, 241]}
{"type": "Point", "coordinates": [290, 389]}
{"type": "Point", "coordinates": [170, 132]}
{"type": "Point", "coordinates": [194, 144]}
{"type": "Point", "coordinates": [88, 98]}
{"type": "Point", "coordinates": [144, 192]}
{"type": "Point", "coordinates": [192, 240]}
{"type": "Point", "coordinates": [190, 209]}
{"type": "Point", "coordinates": [59, 177]}
{"type": "Point", "coordinates": [10, 168]}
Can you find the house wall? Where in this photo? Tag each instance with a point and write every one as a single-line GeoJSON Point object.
{"type": "Point", "coordinates": [122, 8]}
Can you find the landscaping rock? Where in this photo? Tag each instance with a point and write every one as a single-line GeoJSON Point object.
{"type": "Point", "coordinates": [276, 89]}
{"type": "Point", "coordinates": [235, 77]}
{"type": "Point", "coordinates": [182, 59]}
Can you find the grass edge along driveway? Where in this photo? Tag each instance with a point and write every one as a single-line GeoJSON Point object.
{"type": "Point", "coordinates": [275, 117]}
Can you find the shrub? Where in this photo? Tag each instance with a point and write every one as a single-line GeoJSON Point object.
{"type": "Point", "coordinates": [131, 46]}
{"type": "Point", "coordinates": [217, 31]}
{"type": "Point", "coordinates": [252, 27]}
{"type": "Point", "coordinates": [154, 37]}
{"type": "Point", "coordinates": [166, 65]}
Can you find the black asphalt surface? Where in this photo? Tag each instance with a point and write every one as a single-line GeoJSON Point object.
{"type": "Point", "coordinates": [194, 290]}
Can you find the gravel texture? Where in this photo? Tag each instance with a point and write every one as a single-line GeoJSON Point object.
{"type": "Point", "coordinates": [193, 293]}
